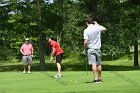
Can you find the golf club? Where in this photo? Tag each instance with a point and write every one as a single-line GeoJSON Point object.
{"type": "Point", "coordinates": [86, 63]}
{"type": "Point", "coordinates": [87, 67]}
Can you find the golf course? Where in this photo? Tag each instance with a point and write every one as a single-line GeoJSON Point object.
{"type": "Point", "coordinates": [120, 77]}
{"type": "Point", "coordinates": [69, 46]}
{"type": "Point", "coordinates": [72, 82]}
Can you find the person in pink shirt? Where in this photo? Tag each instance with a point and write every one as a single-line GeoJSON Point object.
{"type": "Point", "coordinates": [27, 52]}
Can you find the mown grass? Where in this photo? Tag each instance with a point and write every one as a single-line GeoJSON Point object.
{"type": "Point", "coordinates": [42, 82]}
{"type": "Point", "coordinates": [119, 76]}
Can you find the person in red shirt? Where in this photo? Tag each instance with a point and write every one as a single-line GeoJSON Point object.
{"type": "Point", "coordinates": [58, 52]}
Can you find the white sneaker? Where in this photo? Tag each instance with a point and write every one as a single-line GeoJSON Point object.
{"type": "Point", "coordinates": [29, 72]}
{"type": "Point", "coordinates": [24, 71]}
{"type": "Point", "coordinates": [58, 76]}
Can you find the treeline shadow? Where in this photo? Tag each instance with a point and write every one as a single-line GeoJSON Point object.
{"type": "Point", "coordinates": [67, 67]}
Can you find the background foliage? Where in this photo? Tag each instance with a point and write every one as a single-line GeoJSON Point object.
{"type": "Point", "coordinates": [64, 20]}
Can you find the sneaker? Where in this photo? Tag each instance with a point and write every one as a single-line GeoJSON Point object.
{"type": "Point", "coordinates": [29, 72]}
{"type": "Point", "coordinates": [58, 76]}
{"type": "Point", "coordinates": [100, 80]}
{"type": "Point", "coordinates": [95, 81]}
{"type": "Point", "coordinates": [24, 71]}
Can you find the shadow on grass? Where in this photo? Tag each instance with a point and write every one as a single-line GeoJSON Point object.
{"type": "Point", "coordinates": [67, 67]}
{"type": "Point", "coordinates": [89, 82]}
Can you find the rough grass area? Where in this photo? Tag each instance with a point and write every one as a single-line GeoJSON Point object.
{"type": "Point", "coordinates": [74, 64]}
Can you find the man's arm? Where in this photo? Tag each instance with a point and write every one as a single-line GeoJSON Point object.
{"type": "Point", "coordinates": [32, 52]}
{"type": "Point", "coordinates": [103, 29]}
{"type": "Point", "coordinates": [21, 51]}
{"type": "Point", "coordinates": [85, 46]}
{"type": "Point", "coordinates": [85, 43]}
{"type": "Point", "coordinates": [52, 54]}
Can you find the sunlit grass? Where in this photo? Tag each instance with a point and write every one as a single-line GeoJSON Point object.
{"type": "Point", "coordinates": [71, 82]}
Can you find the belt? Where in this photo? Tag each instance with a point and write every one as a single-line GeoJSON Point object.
{"type": "Point", "coordinates": [93, 48]}
{"type": "Point", "coordinates": [27, 55]}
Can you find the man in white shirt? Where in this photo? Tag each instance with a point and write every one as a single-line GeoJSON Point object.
{"type": "Point", "coordinates": [92, 43]}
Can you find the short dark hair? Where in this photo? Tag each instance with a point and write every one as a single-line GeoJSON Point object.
{"type": "Point", "coordinates": [89, 20]}
{"type": "Point", "coordinates": [52, 38]}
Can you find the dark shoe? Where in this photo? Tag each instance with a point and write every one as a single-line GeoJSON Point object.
{"type": "Point", "coordinates": [95, 81]}
{"type": "Point", "coordinates": [100, 80]}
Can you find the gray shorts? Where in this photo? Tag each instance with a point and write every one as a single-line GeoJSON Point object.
{"type": "Point", "coordinates": [94, 56]}
{"type": "Point", "coordinates": [27, 60]}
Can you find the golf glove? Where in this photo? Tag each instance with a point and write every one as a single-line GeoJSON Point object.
{"type": "Point", "coordinates": [51, 60]}
{"type": "Point", "coordinates": [84, 52]}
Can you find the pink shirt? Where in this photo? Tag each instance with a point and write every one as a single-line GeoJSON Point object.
{"type": "Point", "coordinates": [27, 49]}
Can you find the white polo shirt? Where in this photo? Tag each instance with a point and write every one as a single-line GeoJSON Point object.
{"type": "Point", "coordinates": [93, 34]}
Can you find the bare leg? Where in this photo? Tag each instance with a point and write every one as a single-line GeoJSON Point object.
{"type": "Point", "coordinates": [24, 71]}
{"type": "Point", "coordinates": [94, 68]}
{"type": "Point", "coordinates": [58, 68]}
{"type": "Point", "coordinates": [29, 67]}
{"type": "Point", "coordinates": [24, 67]}
{"type": "Point", "coordinates": [99, 67]}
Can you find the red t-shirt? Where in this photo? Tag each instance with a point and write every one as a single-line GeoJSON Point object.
{"type": "Point", "coordinates": [58, 49]}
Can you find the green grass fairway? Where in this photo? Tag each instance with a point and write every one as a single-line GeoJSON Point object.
{"type": "Point", "coordinates": [43, 82]}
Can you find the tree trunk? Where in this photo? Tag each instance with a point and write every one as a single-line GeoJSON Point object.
{"type": "Point", "coordinates": [41, 53]}
{"type": "Point", "coordinates": [41, 50]}
{"type": "Point", "coordinates": [136, 62]}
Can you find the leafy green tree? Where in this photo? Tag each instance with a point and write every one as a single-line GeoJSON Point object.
{"type": "Point", "coordinates": [121, 19]}
{"type": "Point", "coordinates": [4, 30]}
{"type": "Point", "coordinates": [64, 20]}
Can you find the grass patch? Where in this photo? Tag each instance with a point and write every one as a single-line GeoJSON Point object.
{"type": "Point", "coordinates": [41, 82]}
{"type": "Point", "coordinates": [119, 76]}
{"type": "Point", "coordinates": [72, 65]}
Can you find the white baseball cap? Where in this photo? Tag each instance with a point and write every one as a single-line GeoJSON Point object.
{"type": "Point", "coordinates": [26, 39]}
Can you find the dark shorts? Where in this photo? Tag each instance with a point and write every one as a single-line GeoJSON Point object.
{"type": "Point", "coordinates": [59, 58]}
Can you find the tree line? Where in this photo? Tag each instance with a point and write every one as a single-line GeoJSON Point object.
{"type": "Point", "coordinates": [64, 20]}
